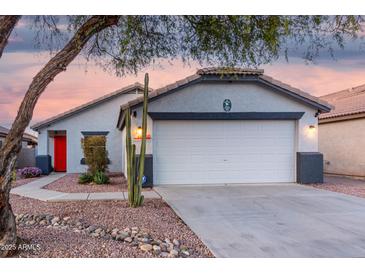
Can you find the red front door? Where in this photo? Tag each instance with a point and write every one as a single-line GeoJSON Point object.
{"type": "Point", "coordinates": [60, 155]}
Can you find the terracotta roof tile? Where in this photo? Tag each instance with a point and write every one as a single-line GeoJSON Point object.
{"type": "Point", "coordinates": [346, 102]}
{"type": "Point", "coordinates": [229, 70]}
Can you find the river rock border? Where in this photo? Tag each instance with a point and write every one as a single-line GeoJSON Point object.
{"type": "Point", "coordinates": [133, 236]}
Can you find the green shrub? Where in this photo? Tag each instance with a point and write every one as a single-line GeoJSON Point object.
{"type": "Point", "coordinates": [85, 178]}
{"type": "Point", "coordinates": [95, 153]}
{"type": "Point", "coordinates": [101, 178]}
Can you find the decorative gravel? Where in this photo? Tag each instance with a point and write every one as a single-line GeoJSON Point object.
{"type": "Point", "coordinates": [343, 185]}
{"type": "Point", "coordinates": [69, 184]}
{"type": "Point", "coordinates": [155, 218]}
{"type": "Point", "coordinates": [20, 181]}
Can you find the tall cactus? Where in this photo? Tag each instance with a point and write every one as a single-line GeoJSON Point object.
{"type": "Point", "coordinates": [135, 178]}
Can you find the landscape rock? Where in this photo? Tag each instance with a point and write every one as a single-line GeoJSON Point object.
{"type": "Point", "coordinates": [55, 220]}
{"type": "Point", "coordinates": [66, 219]}
{"type": "Point", "coordinates": [174, 253]}
{"type": "Point", "coordinates": [146, 247]}
{"type": "Point", "coordinates": [176, 242]}
{"type": "Point", "coordinates": [146, 240]}
{"type": "Point", "coordinates": [128, 239]}
{"type": "Point", "coordinates": [185, 253]}
{"type": "Point", "coordinates": [99, 230]}
{"type": "Point", "coordinates": [156, 249]}
{"type": "Point", "coordinates": [91, 228]}
{"type": "Point", "coordinates": [121, 237]}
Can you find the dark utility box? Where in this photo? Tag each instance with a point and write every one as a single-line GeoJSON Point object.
{"type": "Point", "coordinates": [309, 167]}
{"type": "Point", "coordinates": [43, 162]}
{"type": "Point", "coordinates": [148, 170]}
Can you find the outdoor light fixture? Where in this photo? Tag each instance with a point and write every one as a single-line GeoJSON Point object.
{"type": "Point", "coordinates": [312, 127]}
{"type": "Point", "coordinates": [138, 134]}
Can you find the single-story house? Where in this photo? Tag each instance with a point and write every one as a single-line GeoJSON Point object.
{"type": "Point", "coordinates": [27, 154]}
{"type": "Point", "coordinates": [342, 133]}
{"type": "Point", "coordinates": [218, 126]}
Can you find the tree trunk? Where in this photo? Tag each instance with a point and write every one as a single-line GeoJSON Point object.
{"type": "Point", "coordinates": [7, 24]}
{"type": "Point", "coordinates": [12, 144]}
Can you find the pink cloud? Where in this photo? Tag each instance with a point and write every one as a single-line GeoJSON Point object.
{"type": "Point", "coordinates": [319, 79]}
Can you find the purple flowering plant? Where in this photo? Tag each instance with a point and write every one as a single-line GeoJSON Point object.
{"type": "Point", "coordinates": [30, 172]}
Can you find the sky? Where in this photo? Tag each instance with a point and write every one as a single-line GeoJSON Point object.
{"type": "Point", "coordinates": [83, 81]}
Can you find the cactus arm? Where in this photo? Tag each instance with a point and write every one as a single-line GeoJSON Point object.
{"type": "Point", "coordinates": [142, 154]}
{"type": "Point", "coordinates": [129, 153]}
{"type": "Point", "coordinates": [133, 176]}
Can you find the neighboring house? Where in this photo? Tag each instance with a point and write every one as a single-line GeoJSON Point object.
{"type": "Point", "coordinates": [27, 154]}
{"type": "Point", "coordinates": [342, 133]}
{"type": "Point", "coordinates": [27, 141]}
{"type": "Point", "coordinates": [209, 128]}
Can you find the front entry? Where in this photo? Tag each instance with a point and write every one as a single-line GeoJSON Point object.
{"type": "Point", "coordinates": [60, 154]}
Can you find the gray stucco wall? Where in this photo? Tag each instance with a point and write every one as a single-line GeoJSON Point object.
{"type": "Point", "coordinates": [102, 117]}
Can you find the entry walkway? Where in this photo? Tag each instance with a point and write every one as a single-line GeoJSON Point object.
{"type": "Point", "coordinates": [35, 190]}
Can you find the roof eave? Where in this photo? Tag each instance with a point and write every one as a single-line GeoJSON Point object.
{"type": "Point", "coordinates": [321, 105]}
{"type": "Point", "coordinates": [88, 105]}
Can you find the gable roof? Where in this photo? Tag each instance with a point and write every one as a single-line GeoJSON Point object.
{"type": "Point", "coordinates": [348, 103]}
{"type": "Point", "coordinates": [134, 87]}
{"type": "Point", "coordinates": [214, 74]}
{"type": "Point", "coordinates": [26, 136]}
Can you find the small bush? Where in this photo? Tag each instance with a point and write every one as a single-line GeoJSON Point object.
{"type": "Point", "coordinates": [30, 172]}
{"type": "Point", "coordinates": [85, 178]}
{"type": "Point", "coordinates": [95, 153]}
{"type": "Point", "coordinates": [101, 178]}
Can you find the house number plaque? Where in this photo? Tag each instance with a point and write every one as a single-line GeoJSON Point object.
{"type": "Point", "coordinates": [227, 105]}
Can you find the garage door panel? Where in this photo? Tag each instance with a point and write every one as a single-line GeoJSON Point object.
{"type": "Point", "coordinates": [208, 152]}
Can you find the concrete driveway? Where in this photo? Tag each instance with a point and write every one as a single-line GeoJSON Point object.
{"type": "Point", "coordinates": [271, 220]}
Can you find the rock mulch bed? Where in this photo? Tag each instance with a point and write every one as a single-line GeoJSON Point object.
{"type": "Point", "coordinates": [343, 185]}
{"type": "Point", "coordinates": [154, 218]}
{"type": "Point", "coordinates": [133, 236]}
{"type": "Point", "coordinates": [69, 184]}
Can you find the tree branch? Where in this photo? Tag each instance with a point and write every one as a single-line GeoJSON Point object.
{"type": "Point", "coordinates": [7, 24]}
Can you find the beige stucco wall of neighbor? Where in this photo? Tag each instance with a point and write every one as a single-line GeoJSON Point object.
{"type": "Point", "coordinates": [245, 97]}
{"type": "Point", "coordinates": [343, 147]}
{"type": "Point", "coordinates": [102, 117]}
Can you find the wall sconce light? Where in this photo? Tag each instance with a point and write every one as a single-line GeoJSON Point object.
{"type": "Point", "coordinates": [138, 134]}
{"type": "Point", "coordinates": [312, 127]}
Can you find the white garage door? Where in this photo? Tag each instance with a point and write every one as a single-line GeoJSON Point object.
{"type": "Point", "coordinates": [223, 152]}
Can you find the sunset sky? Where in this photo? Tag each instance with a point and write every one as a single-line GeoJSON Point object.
{"type": "Point", "coordinates": [83, 81]}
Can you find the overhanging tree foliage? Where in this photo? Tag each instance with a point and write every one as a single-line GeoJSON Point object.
{"type": "Point", "coordinates": [125, 44]}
